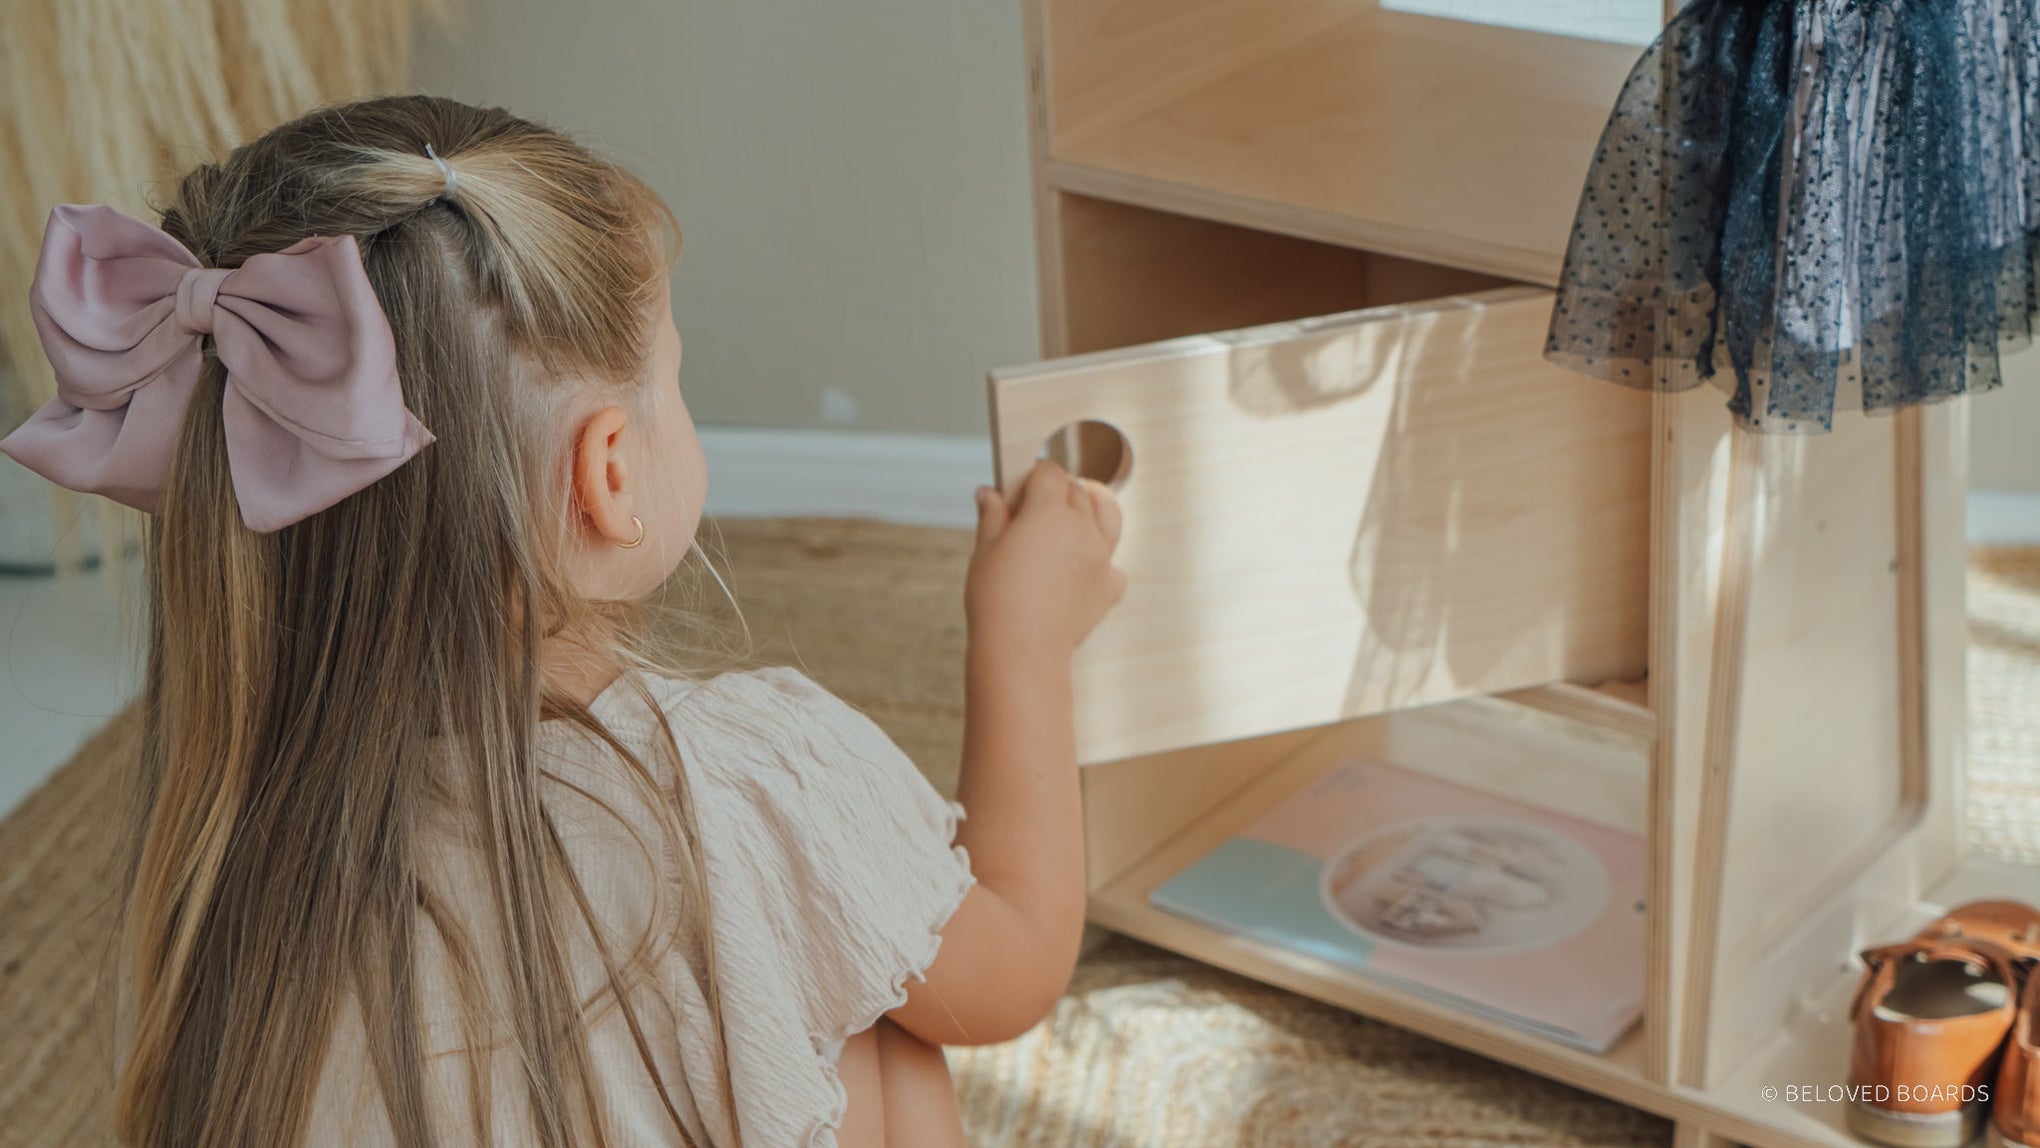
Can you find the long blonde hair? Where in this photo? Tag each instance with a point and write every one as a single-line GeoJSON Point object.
{"type": "Point", "coordinates": [311, 693]}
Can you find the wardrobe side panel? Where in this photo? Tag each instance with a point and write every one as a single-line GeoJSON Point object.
{"type": "Point", "coordinates": [1689, 513]}
{"type": "Point", "coordinates": [1818, 785]}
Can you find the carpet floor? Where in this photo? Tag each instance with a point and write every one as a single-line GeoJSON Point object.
{"type": "Point", "coordinates": [1147, 1049]}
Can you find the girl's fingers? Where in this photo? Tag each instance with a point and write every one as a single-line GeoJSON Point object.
{"type": "Point", "coordinates": [1105, 508]}
{"type": "Point", "coordinates": [992, 515]}
{"type": "Point", "coordinates": [1045, 486]}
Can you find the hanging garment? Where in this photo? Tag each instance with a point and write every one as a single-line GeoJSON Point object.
{"type": "Point", "coordinates": [1816, 204]}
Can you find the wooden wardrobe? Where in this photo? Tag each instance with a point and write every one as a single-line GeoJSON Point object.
{"type": "Point", "coordinates": [1296, 260]}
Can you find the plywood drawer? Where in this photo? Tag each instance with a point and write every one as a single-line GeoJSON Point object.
{"type": "Point", "coordinates": [1346, 515]}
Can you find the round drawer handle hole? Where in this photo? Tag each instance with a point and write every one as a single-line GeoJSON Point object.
{"type": "Point", "coordinates": [1091, 449]}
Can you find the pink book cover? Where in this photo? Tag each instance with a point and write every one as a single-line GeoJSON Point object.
{"type": "Point", "coordinates": [1525, 915]}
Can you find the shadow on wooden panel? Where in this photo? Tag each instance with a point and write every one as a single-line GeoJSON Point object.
{"type": "Point", "coordinates": [1487, 463]}
{"type": "Point", "coordinates": [1341, 516]}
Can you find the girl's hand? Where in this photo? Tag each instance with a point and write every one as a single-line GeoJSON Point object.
{"type": "Point", "coordinates": [1040, 579]}
{"type": "Point", "coordinates": [1042, 574]}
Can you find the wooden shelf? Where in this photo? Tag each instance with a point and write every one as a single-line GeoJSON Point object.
{"type": "Point", "coordinates": [1589, 746]}
{"type": "Point", "coordinates": [1433, 511]}
{"type": "Point", "coordinates": [1203, 166]}
{"type": "Point", "coordinates": [1619, 1073]}
{"type": "Point", "coordinates": [1136, 275]}
{"type": "Point", "coordinates": [1438, 140]}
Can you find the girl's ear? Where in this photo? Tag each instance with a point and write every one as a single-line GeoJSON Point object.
{"type": "Point", "coordinates": [604, 490]}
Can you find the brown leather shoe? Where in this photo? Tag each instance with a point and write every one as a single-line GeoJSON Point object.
{"type": "Point", "coordinates": [2010, 925]}
{"type": "Point", "coordinates": [1931, 1018]}
{"type": "Point", "coordinates": [2015, 1102]}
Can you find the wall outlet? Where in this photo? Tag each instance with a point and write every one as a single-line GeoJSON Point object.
{"type": "Point", "coordinates": [839, 407]}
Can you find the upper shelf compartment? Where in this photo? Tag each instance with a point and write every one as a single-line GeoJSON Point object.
{"type": "Point", "coordinates": [1440, 140]}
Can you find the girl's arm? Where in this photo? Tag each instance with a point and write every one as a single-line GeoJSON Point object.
{"type": "Point", "coordinates": [1040, 579]}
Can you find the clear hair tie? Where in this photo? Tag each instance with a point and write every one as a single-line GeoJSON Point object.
{"type": "Point", "coordinates": [452, 180]}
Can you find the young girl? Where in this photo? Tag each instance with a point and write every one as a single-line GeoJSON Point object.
{"type": "Point", "coordinates": [426, 852]}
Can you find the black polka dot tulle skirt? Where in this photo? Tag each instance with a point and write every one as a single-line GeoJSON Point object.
{"type": "Point", "coordinates": [1818, 205]}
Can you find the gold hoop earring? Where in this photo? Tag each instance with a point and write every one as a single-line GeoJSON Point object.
{"type": "Point", "coordinates": [639, 540]}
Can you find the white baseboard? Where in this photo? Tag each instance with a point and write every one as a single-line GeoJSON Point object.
{"type": "Point", "coordinates": [916, 479]}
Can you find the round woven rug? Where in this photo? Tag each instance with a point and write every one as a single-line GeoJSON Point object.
{"type": "Point", "coordinates": [1147, 1049]}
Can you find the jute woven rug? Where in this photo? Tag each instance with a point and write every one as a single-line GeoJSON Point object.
{"type": "Point", "coordinates": [1148, 1049]}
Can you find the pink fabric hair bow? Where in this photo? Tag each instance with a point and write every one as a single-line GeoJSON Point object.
{"type": "Point", "coordinates": [312, 412]}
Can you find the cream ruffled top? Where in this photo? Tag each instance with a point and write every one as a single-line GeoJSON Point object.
{"type": "Point", "coordinates": [832, 866]}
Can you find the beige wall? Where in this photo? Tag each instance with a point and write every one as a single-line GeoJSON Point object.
{"type": "Point", "coordinates": [2004, 429]}
{"type": "Point", "coordinates": [851, 179]}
